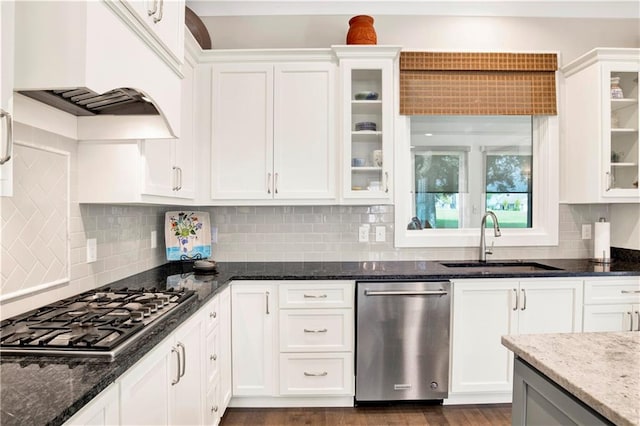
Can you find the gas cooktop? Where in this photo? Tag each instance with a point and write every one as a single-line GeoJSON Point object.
{"type": "Point", "coordinates": [96, 323]}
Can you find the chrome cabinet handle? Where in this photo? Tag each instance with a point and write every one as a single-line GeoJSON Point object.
{"type": "Point", "coordinates": [386, 182]}
{"type": "Point", "coordinates": [179, 179]}
{"type": "Point", "coordinates": [324, 373]}
{"type": "Point", "coordinates": [313, 296]}
{"type": "Point", "coordinates": [267, 301]}
{"type": "Point", "coordinates": [175, 178]}
{"type": "Point", "coordinates": [629, 291]}
{"type": "Point", "coordinates": [212, 315]}
{"type": "Point", "coordinates": [213, 357]}
{"type": "Point", "coordinates": [184, 358]}
{"type": "Point", "coordinates": [515, 296]}
{"type": "Point", "coordinates": [319, 330]}
{"type": "Point", "coordinates": [153, 10]}
{"type": "Point", "coordinates": [177, 379]}
{"type": "Point", "coordinates": [275, 183]}
{"type": "Point", "coordinates": [214, 409]}
{"type": "Point", "coordinates": [638, 324]}
{"type": "Point", "coordinates": [268, 183]}
{"type": "Point", "coordinates": [630, 321]}
{"type": "Point", "coordinates": [610, 181]}
{"type": "Point", "coordinates": [524, 299]}
{"type": "Point", "coordinates": [159, 16]}
{"type": "Point", "coordinates": [7, 116]}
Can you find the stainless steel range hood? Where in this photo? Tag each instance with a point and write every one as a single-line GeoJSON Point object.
{"type": "Point", "coordinates": [84, 59]}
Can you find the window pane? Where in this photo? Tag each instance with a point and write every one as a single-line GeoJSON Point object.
{"type": "Point", "coordinates": [437, 183]}
{"type": "Point", "coordinates": [508, 189]}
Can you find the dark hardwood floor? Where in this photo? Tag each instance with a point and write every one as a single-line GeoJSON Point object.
{"type": "Point", "coordinates": [471, 415]}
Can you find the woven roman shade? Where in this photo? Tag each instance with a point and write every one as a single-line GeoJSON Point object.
{"type": "Point", "coordinates": [452, 83]}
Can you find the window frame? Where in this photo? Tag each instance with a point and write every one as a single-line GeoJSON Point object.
{"type": "Point", "coordinates": [545, 152]}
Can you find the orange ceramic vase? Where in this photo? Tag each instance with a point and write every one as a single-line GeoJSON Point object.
{"type": "Point", "coordinates": [361, 30]}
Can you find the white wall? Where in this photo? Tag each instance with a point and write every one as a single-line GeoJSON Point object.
{"type": "Point", "coordinates": [570, 37]}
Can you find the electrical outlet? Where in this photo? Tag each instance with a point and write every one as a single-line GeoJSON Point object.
{"type": "Point", "coordinates": [154, 239]}
{"type": "Point", "coordinates": [92, 250]}
{"type": "Point", "coordinates": [363, 233]}
{"type": "Point", "coordinates": [586, 231]}
{"type": "Point", "coordinates": [381, 234]}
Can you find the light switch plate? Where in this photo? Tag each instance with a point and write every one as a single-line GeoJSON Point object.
{"type": "Point", "coordinates": [380, 234]}
{"type": "Point", "coordinates": [363, 233]}
{"type": "Point", "coordinates": [586, 231]}
{"type": "Point", "coordinates": [92, 250]}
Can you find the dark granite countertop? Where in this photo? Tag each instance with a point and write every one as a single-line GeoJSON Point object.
{"type": "Point", "coordinates": [43, 390]}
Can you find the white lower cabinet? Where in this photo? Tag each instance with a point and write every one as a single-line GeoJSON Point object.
{"type": "Point", "coordinates": [293, 340]}
{"type": "Point", "coordinates": [612, 304]}
{"type": "Point", "coordinates": [103, 410]}
{"type": "Point", "coordinates": [165, 386]}
{"type": "Point", "coordinates": [484, 310]}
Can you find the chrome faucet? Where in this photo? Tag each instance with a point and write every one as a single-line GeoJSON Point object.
{"type": "Point", "coordinates": [496, 232]}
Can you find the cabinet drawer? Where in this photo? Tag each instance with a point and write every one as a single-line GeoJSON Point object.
{"type": "Point", "coordinates": [316, 374]}
{"type": "Point", "coordinates": [316, 330]}
{"type": "Point", "coordinates": [316, 294]}
{"type": "Point", "coordinates": [613, 290]}
{"type": "Point", "coordinates": [212, 313]}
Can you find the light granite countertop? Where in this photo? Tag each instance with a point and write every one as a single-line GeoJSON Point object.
{"type": "Point", "coordinates": [600, 369]}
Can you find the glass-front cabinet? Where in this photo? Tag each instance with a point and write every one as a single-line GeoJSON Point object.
{"type": "Point", "coordinates": [623, 130]}
{"type": "Point", "coordinates": [600, 156]}
{"type": "Point", "coordinates": [367, 77]}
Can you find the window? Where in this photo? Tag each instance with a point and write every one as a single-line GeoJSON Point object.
{"type": "Point", "coordinates": [458, 167]}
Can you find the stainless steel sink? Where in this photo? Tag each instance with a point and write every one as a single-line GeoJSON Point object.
{"type": "Point", "coordinates": [499, 267]}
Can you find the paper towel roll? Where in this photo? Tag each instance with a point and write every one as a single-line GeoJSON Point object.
{"type": "Point", "coordinates": [601, 241]}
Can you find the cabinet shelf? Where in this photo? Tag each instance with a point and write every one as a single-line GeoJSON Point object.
{"type": "Point", "coordinates": [617, 104]}
{"type": "Point", "coordinates": [624, 164]}
{"type": "Point", "coordinates": [366, 107]}
{"type": "Point", "coordinates": [366, 132]}
{"type": "Point", "coordinates": [623, 130]}
{"type": "Point", "coordinates": [366, 169]}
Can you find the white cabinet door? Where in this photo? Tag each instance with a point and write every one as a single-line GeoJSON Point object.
{"type": "Point", "coordinates": [253, 320]}
{"type": "Point", "coordinates": [548, 306]}
{"type": "Point", "coordinates": [304, 131]}
{"type": "Point", "coordinates": [485, 310]}
{"type": "Point", "coordinates": [169, 164]}
{"type": "Point", "coordinates": [165, 387]}
{"type": "Point", "coordinates": [482, 312]}
{"type": "Point", "coordinates": [145, 398]}
{"type": "Point", "coordinates": [103, 410]}
{"type": "Point", "coordinates": [6, 96]}
{"type": "Point", "coordinates": [242, 131]}
{"type": "Point", "coordinates": [186, 394]}
{"type": "Point", "coordinates": [165, 20]}
{"type": "Point", "coordinates": [225, 350]}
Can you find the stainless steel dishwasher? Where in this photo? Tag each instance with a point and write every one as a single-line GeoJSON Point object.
{"type": "Point", "coordinates": [402, 340]}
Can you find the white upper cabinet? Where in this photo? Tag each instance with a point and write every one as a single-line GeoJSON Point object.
{"type": "Point", "coordinates": [367, 98]}
{"type": "Point", "coordinates": [6, 96]}
{"type": "Point", "coordinates": [600, 152]}
{"type": "Point", "coordinates": [164, 19]}
{"type": "Point", "coordinates": [273, 132]}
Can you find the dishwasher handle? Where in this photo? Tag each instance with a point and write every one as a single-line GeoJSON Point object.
{"type": "Point", "coordinates": [405, 292]}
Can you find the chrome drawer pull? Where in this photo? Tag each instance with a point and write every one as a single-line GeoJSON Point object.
{"type": "Point", "coordinates": [515, 296]}
{"type": "Point", "coordinates": [524, 300]}
{"type": "Point", "coordinates": [323, 330]}
{"type": "Point", "coordinates": [313, 296]}
{"type": "Point", "coordinates": [324, 373]}
{"type": "Point", "coordinates": [629, 291]}
{"type": "Point", "coordinates": [7, 156]}
{"type": "Point", "coordinates": [177, 379]}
